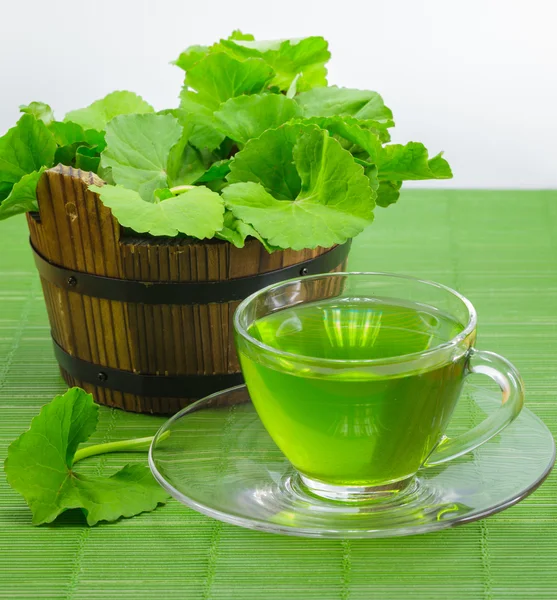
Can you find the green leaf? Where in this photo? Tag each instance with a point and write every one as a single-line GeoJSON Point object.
{"type": "Point", "coordinates": [218, 170]}
{"type": "Point", "coordinates": [190, 56]}
{"type": "Point", "coordinates": [197, 212]}
{"type": "Point", "coordinates": [193, 54]}
{"type": "Point", "coordinates": [236, 231]}
{"type": "Point", "coordinates": [138, 150]}
{"type": "Point", "coordinates": [40, 467]}
{"type": "Point", "coordinates": [200, 125]}
{"type": "Point", "coordinates": [394, 162]}
{"type": "Point", "coordinates": [101, 112]}
{"type": "Point", "coordinates": [304, 58]}
{"type": "Point", "coordinates": [76, 146]}
{"type": "Point", "coordinates": [39, 110]}
{"type": "Point", "coordinates": [199, 121]}
{"type": "Point", "coordinates": [24, 149]}
{"type": "Point", "coordinates": [370, 170]}
{"type": "Point", "coordinates": [163, 194]}
{"type": "Point", "coordinates": [186, 164]}
{"type": "Point", "coordinates": [388, 192]}
{"type": "Point", "coordinates": [218, 77]}
{"type": "Point", "coordinates": [410, 162]}
{"type": "Point", "coordinates": [66, 155]}
{"type": "Point", "coordinates": [95, 139]}
{"type": "Point", "coordinates": [352, 130]}
{"type": "Point", "coordinates": [440, 167]}
{"type": "Point", "coordinates": [334, 101]}
{"type": "Point", "coordinates": [66, 134]}
{"type": "Point", "coordinates": [268, 160]}
{"type": "Point", "coordinates": [357, 138]}
{"type": "Point", "coordinates": [238, 35]}
{"type": "Point", "coordinates": [367, 134]}
{"type": "Point", "coordinates": [87, 159]}
{"type": "Point", "coordinates": [247, 117]}
{"type": "Point", "coordinates": [23, 197]}
{"type": "Point", "coordinates": [334, 203]}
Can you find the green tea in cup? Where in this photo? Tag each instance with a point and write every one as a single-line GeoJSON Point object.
{"type": "Point", "coordinates": [356, 376]}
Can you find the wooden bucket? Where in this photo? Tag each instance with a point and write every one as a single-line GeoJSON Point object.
{"type": "Point", "coordinates": [134, 344]}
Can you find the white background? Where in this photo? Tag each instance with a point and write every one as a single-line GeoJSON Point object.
{"type": "Point", "coordinates": [476, 78]}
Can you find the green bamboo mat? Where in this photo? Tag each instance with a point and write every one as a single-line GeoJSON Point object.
{"type": "Point", "coordinates": [498, 248]}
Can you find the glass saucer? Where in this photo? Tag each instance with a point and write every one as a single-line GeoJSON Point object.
{"type": "Point", "coordinates": [216, 457]}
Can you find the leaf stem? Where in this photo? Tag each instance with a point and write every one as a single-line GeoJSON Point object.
{"type": "Point", "coordinates": [135, 445]}
{"type": "Point", "coordinates": [181, 188]}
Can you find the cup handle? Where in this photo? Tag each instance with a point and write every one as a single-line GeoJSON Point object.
{"type": "Point", "coordinates": [512, 388]}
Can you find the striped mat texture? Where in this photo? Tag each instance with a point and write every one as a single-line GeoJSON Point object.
{"type": "Point", "coordinates": [498, 248]}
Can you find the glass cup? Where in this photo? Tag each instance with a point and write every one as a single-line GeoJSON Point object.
{"type": "Point", "coordinates": [358, 392]}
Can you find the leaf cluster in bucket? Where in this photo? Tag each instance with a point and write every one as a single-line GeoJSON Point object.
{"type": "Point", "coordinates": [259, 146]}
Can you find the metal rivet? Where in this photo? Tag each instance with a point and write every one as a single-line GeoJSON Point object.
{"type": "Point", "coordinates": [102, 376]}
{"type": "Point", "coordinates": [304, 271]}
{"type": "Point", "coordinates": [72, 281]}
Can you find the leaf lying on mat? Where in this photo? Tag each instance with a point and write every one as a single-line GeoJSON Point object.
{"type": "Point", "coordinates": [40, 466]}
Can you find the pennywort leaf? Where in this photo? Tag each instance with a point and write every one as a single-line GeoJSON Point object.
{"type": "Point", "coordinates": [218, 77]}
{"type": "Point", "coordinates": [411, 161]}
{"type": "Point", "coordinates": [328, 202]}
{"type": "Point", "coordinates": [240, 35]}
{"type": "Point", "coordinates": [388, 193]}
{"type": "Point", "coordinates": [197, 212]}
{"type": "Point", "coordinates": [190, 56]}
{"type": "Point", "coordinates": [193, 54]}
{"type": "Point", "coordinates": [218, 170]}
{"type": "Point", "coordinates": [304, 59]}
{"type": "Point", "coordinates": [24, 150]}
{"type": "Point", "coordinates": [268, 160]}
{"type": "Point", "coordinates": [336, 101]}
{"type": "Point", "coordinates": [71, 136]}
{"type": "Point", "coordinates": [186, 164]}
{"type": "Point", "coordinates": [138, 150]}
{"type": "Point", "coordinates": [246, 117]}
{"type": "Point", "coordinates": [352, 130]}
{"type": "Point", "coordinates": [101, 112]}
{"type": "Point", "coordinates": [237, 231]}
{"type": "Point", "coordinates": [394, 162]}
{"type": "Point", "coordinates": [39, 110]}
{"type": "Point", "coordinates": [87, 159]}
{"type": "Point", "coordinates": [66, 134]}
{"type": "Point", "coordinates": [23, 196]}
{"type": "Point", "coordinates": [41, 466]}
{"type": "Point", "coordinates": [200, 125]}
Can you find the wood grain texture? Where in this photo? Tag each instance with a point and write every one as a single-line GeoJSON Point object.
{"type": "Point", "coordinates": [75, 230]}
